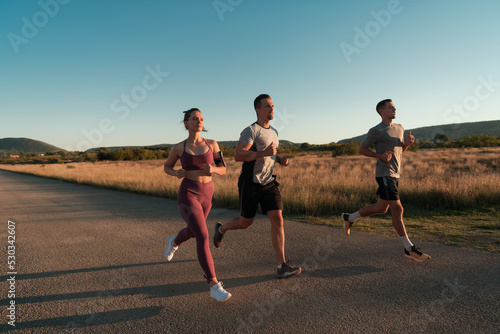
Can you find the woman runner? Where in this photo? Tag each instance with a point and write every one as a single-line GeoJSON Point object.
{"type": "Point", "coordinates": [197, 156]}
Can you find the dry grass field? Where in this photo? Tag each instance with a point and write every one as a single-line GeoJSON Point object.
{"type": "Point", "coordinates": [450, 196]}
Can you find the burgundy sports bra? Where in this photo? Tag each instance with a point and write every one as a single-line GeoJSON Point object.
{"type": "Point", "coordinates": [196, 162]}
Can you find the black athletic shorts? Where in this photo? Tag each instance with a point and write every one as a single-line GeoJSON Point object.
{"type": "Point", "coordinates": [251, 194]}
{"type": "Point", "coordinates": [388, 188]}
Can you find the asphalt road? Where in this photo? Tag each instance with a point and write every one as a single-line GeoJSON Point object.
{"type": "Point", "coordinates": [91, 260]}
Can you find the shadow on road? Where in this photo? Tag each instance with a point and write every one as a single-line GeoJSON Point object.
{"type": "Point", "coordinates": [188, 288]}
{"type": "Point", "coordinates": [92, 319]}
{"type": "Point", "coordinates": [85, 270]}
{"type": "Point", "coordinates": [343, 271]}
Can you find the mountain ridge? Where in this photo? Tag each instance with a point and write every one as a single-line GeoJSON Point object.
{"type": "Point", "coordinates": [453, 131]}
{"type": "Point", "coordinates": [26, 145]}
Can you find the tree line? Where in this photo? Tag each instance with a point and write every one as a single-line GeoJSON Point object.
{"type": "Point", "coordinates": [154, 153]}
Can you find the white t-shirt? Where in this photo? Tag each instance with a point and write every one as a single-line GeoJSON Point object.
{"type": "Point", "coordinates": [260, 170]}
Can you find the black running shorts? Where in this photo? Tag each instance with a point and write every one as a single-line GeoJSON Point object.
{"type": "Point", "coordinates": [388, 188]}
{"type": "Point", "coordinates": [251, 194]}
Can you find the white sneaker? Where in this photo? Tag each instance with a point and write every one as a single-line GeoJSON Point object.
{"type": "Point", "coordinates": [169, 252]}
{"type": "Point", "coordinates": [218, 292]}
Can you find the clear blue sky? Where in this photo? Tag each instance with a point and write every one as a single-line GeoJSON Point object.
{"type": "Point", "coordinates": [79, 74]}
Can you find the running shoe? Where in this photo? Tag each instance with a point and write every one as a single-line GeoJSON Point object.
{"type": "Point", "coordinates": [346, 223]}
{"type": "Point", "coordinates": [287, 271]}
{"type": "Point", "coordinates": [218, 235]}
{"type": "Point", "coordinates": [170, 250]}
{"type": "Point", "coordinates": [416, 255]}
{"type": "Point", "coordinates": [218, 292]}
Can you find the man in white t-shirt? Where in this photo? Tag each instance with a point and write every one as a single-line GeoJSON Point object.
{"type": "Point", "coordinates": [257, 149]}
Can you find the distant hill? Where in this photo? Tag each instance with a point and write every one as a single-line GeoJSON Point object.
{"type": "Point", "coordinates": [26, 145]}
{"type": "Point", "coordinates": [453, 131]}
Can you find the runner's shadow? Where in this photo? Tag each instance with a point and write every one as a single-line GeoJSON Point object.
{"type": "Point", "coordinates": [188, 288]}
{"type": "Point", "coordinates": [342, 271]}
{"type": "Point", "coordinates": [91, 319]}
{"type": "Point", "coordinates": [86, 270]}
{"type": "Point", "coordinates": [154, 291]}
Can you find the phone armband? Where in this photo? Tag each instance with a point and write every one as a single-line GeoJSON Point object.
{"type": "Point", "coordinates": [220, 160]}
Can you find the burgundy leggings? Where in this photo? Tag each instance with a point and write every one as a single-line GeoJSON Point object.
{"type": "Point", "coordinates": [195, 201]}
